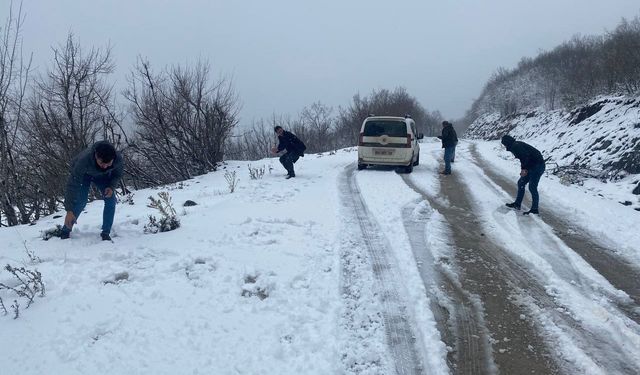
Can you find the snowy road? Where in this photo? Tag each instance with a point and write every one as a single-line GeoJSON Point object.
{"type": "Point", "coordinates": [602, 257]}
{"type": "Point", "coordinates": [511, 292]}
{"type": "Point", "coordinates": [483, 281]}
{"type": "Point", "coordinates": [399, 333]}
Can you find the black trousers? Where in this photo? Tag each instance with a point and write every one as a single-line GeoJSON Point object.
{"type": "Point", "coordinates": [288, 160]}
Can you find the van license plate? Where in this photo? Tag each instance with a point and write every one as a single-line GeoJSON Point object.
{"type": "Point", "coordinates": [382, 152]}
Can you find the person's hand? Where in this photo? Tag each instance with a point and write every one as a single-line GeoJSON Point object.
{"type": "Point", "coordinates": [108, 192]}
{"type": "Point", "coordinates": [523, 172]}
{"type": "Point", "coordinates": [274, 150]}
{"type": "Point", "coordinates": [69, 219]}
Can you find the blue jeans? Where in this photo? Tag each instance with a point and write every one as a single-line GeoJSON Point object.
{"type": "Point", "coordinates": [532, 178]}
{"type": "Point", "coordinates": [287, 161]}
{"type": "Point", "coordinates": [449, 153]}
{"type": "Point", "coordinates": [109, 210]}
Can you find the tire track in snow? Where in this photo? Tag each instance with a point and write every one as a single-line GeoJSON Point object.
{"type": "Point", "coordinates": [457, 315]}
{"type": "Point", "coordinates": [621, 274]}
{"type": "Point", "coordinates": [400, 336]}
{"type": "Point", "coordinates": [487, 280]}
{"type": "Point", "coordinates": [596, 343]}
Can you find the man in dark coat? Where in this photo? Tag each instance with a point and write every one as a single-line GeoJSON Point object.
{"type": "Point", "coordinates": [101, 165]}
{"type": "Point", "coordinates": [449, 141]}
{"type": "Point", "coordinates": [294, 146]}
{"type": "Point", "coordinates": [531, 169]}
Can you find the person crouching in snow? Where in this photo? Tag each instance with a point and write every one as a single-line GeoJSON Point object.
{"type": "Point", "coordinates": [531, 169]}
{"type": "Point", "coordinates": [294, 146]}
{"type": "Point", "coordinates": [101, 165]}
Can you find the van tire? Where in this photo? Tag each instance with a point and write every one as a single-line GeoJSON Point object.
{"type": "Point", "coordinates": [361, 166]}
{"type": "Point", "coordinates": [409, 168]}
{"type": "Point", "coordinates": [417, 161]}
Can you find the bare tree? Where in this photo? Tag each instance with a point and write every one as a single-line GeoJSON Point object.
{"type": "Point", "coordinates": [70, 109]}
{"type": "Point", "coordinates": [255, 143]}
{"type": "Point", "coordinates": [182, 121]}
{"type": "Point", "coordinates": [381, 103]}
{"type": "Point", "coordinates": [622, 51]}
{"type": "Point", "coordinates": [315, 127]}
{"type": "Point", "coordinates": [571, 74]}
{"type": "Point", "coordinates": [14, 74]}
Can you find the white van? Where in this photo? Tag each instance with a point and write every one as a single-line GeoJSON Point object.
{"type": "Point", "coordinates": [387, 140]}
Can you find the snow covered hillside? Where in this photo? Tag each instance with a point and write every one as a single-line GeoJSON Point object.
{"type": "Point", "coordinates": [603, 136]}
{"type": "Point", "coordinates": [337, 271]}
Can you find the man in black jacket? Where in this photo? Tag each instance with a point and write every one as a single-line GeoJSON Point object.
{"type": "Point", "coordinates": [531, 169]}
{"type": "Point", "coordinates": [101, 165]}
{"type": "Point", "coordinates": [294, 146]}
{"type": "Point", "coordinates": [449, 141]}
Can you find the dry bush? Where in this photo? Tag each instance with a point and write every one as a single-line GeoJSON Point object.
{"type": "Point", "coordinates": [168, 218]}
{"type": "Point", "coordinates": [27, 285]}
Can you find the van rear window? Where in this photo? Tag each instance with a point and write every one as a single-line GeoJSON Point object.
{"type": "Point", "coordinates": [390, 128]}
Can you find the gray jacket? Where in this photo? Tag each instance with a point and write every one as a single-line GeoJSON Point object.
{"type": "Point", "coordinates": [84, 165]}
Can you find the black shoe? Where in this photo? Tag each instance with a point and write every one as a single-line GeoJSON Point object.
{"type": "Point", "coordinates": [290, 176]}
{"type": "Point", "coordinates": [532, 211]}
{"type": "Point", "coordinates": [105, 236]}
{"type": "Point", "coordinates": [64, 234]}
{"type": "Point", "coordinates": [513, 205]}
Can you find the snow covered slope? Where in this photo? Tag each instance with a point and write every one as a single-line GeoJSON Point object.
{"type": "Point", "coordinates": [603, 136]}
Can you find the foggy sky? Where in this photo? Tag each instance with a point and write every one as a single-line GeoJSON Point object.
{"type": "Point", "coordinates": [285, 55]}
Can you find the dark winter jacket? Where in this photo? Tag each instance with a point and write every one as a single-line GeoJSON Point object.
{"type": "Point", "coordinates": [288, 141]}
{"type": "Point", "coordinates": [529, 156]}
{"type": "Point", "coordinates": [85, 165]}
{"type": "Point", "coordinates": [449, 137]}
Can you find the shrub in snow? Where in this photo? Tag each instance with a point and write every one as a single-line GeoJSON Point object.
{"type": "Point", "coordinates": [53, 232]}
{"type": "Point", "coordinates": [33, 258]}
{"type": "Point", "coordinates": [256, 173]}
{"type": "Point", "coordinates": [27, 284]}
{"type": "Point", "coordinates": [232, 180]}
{"type": "Point", "coordinates": [168, 218]}
{"type": "Point", "coordinates": [575, 174]}
{"type": "Point", "coordinates": [189, 203]}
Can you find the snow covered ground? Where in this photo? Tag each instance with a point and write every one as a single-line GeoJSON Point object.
{"type": "Point", "coordinates": [277, 278]}
{"type": "Point", "coordinates": [601, 138]}
{"type": "Point", "coordinates": [595, 205]}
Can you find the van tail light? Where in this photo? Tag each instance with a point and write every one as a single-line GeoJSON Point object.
{"type": "Point", "coordinates": [408, 141]}
{"type": "Point", "coordinates": [361, 140]}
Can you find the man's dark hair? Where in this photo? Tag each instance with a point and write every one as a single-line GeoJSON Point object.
{"type": "Point", "coordinates": [275, 129]}
{"type": "Point", "coordinates": [445, 123]}
{"type": "Point", "coordinates": [105, 152]}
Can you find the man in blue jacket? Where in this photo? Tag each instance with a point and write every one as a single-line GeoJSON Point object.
{"type": "Point", "coordinates": [294, 146]}
{"type": "Point", "coordinates": [531, 169]}
{"type": "Point", "coordinates": [101, 165]}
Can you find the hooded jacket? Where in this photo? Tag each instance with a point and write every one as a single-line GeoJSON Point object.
{"type": "Point", "coordinates": [85, 165]}
{"type": "Point", "coordinates": [528, 155]}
